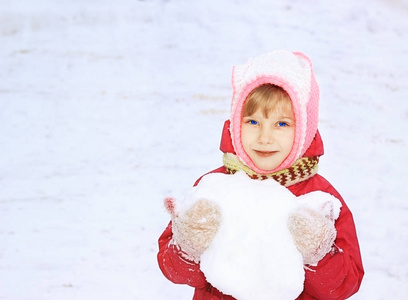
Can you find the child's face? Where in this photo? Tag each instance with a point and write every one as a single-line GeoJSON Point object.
{"type": "Point", "coordinates": [268, 140]}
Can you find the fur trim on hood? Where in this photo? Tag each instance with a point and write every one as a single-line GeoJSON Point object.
{"type": "Point", "coordinates": [291, 71]}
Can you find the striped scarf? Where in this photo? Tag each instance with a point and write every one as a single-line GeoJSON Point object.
{"type": "Point", "coordinates": [303, 169]}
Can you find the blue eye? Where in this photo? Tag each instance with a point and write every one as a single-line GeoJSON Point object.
{"type": "Point", "coordinates": [253, 122]}
{"type": "Point", "coordinates": [282, 124]}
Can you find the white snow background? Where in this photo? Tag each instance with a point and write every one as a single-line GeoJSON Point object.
{"type": "Point", "coordinates": [106, 107]}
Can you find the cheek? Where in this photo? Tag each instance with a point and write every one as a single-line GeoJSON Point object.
{"type": "Point", "coordinates": [246, 136]}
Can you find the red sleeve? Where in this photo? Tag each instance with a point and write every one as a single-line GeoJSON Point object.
{"type": "Point", "coordinates": [176, 268]}
{"type": "Point", "coordinates": [339, 274]}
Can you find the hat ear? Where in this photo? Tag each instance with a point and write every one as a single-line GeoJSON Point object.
{"type": "Point", "coordinates": [238, 73]}
{"type": "Point", "coordinates": [303, 60]}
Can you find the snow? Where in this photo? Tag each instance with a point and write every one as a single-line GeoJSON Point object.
{"type": "Point", "coordinates": [253, 255]}
{"type": "Point", "coordinates": [108, 107]}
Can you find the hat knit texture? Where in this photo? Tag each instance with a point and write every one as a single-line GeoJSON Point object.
{"type": "Point", "coordinates": [291, 71]}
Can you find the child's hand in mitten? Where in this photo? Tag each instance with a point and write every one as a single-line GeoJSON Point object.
{"type": "Point", "coordinates": [195, 228]}
{"type": "Point", "coordinates": [313, 231]}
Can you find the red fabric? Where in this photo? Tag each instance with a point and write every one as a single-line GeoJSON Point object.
{"type": "Point", "coordinates": [337, 276]}
{"type": "Point", "coordinates": [226, 141]}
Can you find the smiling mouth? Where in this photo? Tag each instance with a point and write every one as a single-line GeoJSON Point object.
{"type": "Point", "coordinates": [265, 153]}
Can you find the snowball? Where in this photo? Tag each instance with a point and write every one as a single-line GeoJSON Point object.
{"type": "Point", "coordinates": [253, 255]}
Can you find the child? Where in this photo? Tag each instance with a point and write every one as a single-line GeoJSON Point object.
{"type": "Point", "coordinates": [272, 133]}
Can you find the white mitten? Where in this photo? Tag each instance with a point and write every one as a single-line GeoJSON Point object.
{"type": "Point", "coordinates": [194, 228]}
{"type": "Point", "coordinates": [312, 227]}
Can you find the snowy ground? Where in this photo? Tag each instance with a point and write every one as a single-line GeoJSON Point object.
{"type": "Point", "coordinates": [106, 107]}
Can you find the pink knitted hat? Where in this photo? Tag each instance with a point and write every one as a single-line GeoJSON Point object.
{"type": "Point", "coordinates": [293, 72]}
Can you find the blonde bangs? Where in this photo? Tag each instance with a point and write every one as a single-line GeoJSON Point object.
{"type": "Point", "coordinates": [267, 98]}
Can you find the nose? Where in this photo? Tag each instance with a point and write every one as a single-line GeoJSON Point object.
{"type": "Point", "coordinates": [265, 136]}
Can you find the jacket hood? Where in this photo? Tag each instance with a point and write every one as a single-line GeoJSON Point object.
{"type": "Point", "coordinates": [291, 71]}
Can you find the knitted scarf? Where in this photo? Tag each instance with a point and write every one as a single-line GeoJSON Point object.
{"type": "Point", "coordinates": [303, 169]}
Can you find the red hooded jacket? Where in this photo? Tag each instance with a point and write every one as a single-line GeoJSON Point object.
{"type": "Point", "coordinates": [337, 276]}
